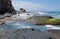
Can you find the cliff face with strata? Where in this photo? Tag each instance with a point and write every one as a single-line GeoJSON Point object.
{"type": "Point", "coordinates": [6, 6]}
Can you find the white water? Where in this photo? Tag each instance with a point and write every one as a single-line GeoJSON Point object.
{"type": "Point", "coordinates": [52, 27]}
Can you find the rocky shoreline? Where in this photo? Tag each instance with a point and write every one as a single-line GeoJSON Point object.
{"type": "Point", "coordinates": [36, 20]}
{"type": "Point", "coordinates": [8, 15]}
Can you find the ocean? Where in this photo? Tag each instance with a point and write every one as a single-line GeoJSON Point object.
{"type": "Point", "coordinates": [55, 14]}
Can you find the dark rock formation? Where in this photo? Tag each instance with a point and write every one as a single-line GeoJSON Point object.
{"type": "Point", "coordinates": [6, 6]}
{"type": "Point", "coordinates": [22, 10]}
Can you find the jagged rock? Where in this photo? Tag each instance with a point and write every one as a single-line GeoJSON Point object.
{"type": "Point", "coordinates": [6, 6]}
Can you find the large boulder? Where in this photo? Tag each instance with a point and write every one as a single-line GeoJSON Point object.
{"type": "Point", "coordinates": [6, 6]}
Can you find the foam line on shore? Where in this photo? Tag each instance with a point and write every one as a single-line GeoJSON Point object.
{"type": "Point", "coordinates": [52, 27]}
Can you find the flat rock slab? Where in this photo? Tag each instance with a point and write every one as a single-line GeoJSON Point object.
{"type": "Point", "coordinates": [55, 32]}
{"type": "Point", "coordinates": [25, 34]}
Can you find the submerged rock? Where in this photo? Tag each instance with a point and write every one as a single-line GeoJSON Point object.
{"type": "Point", "coordinates": [6, 6]}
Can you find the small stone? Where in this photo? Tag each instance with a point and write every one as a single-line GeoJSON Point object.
{"type": "Point", "coordinates": [32, 29]}
{"type": "Point", "coordinates": [50, 37]}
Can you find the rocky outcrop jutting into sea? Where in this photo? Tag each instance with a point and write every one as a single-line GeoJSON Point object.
{"type": "Point", "coordinates": [6, 6]}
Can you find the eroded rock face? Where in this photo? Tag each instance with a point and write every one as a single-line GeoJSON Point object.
{"type": "Point", "coordinates": [6, 6]}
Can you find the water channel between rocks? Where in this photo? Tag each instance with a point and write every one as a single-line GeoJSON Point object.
{"type": "Point", "coordinates": [25, 24]}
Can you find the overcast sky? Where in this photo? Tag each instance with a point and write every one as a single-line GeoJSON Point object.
{"type": "Point", "coordinates": [37, 5]}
